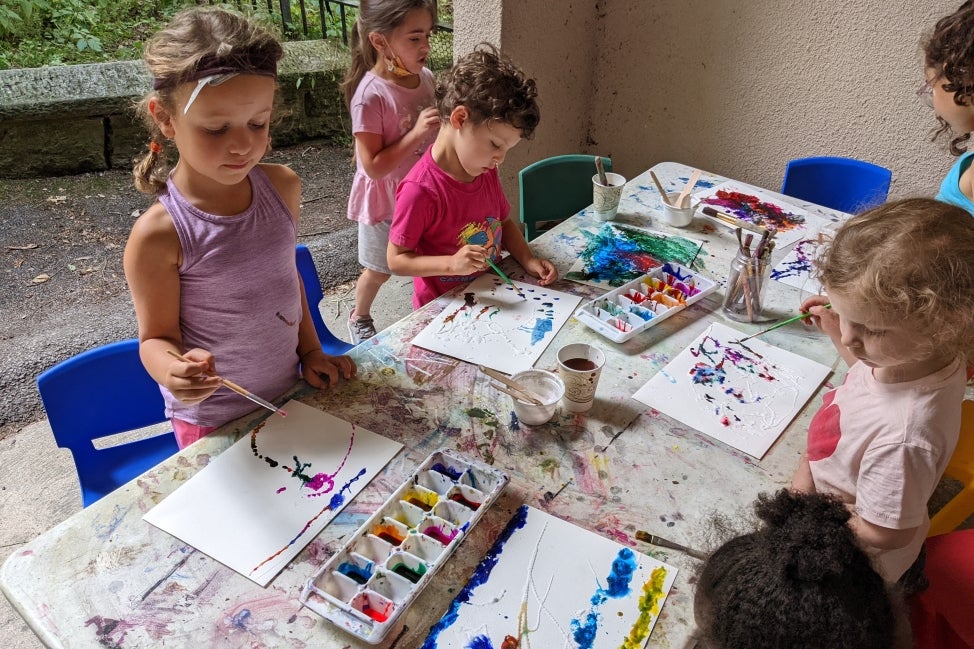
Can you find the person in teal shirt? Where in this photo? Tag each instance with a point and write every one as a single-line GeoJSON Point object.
{"type": "Point", "coordinates": [949, 88]}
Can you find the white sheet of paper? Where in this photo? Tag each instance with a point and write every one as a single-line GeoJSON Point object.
{"type": "Point", "coordinates": [255, 506]}
{"type": "Point", "coordinates": [549, 583]}
{"type": "Point", "coordinates": [796, 267]}
{"type": "Point", "coordinates": [755, 206]}
{"type": "Point", "coordinates": [743, 395]}
{"type": "Point", "coordinates": [490, 324]}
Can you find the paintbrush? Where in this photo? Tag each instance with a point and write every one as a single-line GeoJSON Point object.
{"type": "Point", "coordinates": [505, 277]}
{"type": "Point", "coordinates": [800, 316]}
{"type": "Point", "coordinates": [732, 221]}
{"type": "Point", "coordinates": [652, 539]}
{"type": "Point", "coordinates": [526, 396]}
{"type": "Point", "coordinates": [601, 169]}
{"type": "Point", "coordinates": [236, 388]}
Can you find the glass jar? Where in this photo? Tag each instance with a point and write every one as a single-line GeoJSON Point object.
{"type": "Point", "coordinates": [745, 289]}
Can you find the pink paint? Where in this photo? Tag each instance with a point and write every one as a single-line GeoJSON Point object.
{"type": "Point", "coordinates": [281, 412]}
{"type": "Point", "coordinates": [281, 490]}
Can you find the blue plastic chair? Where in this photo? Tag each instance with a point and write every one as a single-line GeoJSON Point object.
{"type": "Point", "coordinates": [555, 188]}
{"type": "Point", "coordinates": [843, 184]}
{"type": "Point", "coordinates": [330, 343]}
{"type": "Point", "coordinates": [105, 391]}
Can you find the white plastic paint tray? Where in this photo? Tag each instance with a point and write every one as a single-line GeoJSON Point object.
{"type": "Point", "coordinates": [384, 566]}
{"type": "Point", "coordinates": [644, 302]}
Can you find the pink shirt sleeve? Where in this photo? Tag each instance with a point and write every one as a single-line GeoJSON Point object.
{"type": "Point", "coordinates": [415, 209]}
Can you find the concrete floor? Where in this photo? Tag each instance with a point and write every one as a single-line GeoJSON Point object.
{"type": "Point", "coordinates": [39, 488]}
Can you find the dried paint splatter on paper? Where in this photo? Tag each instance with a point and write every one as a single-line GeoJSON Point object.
{"type": "Point", "coordinates": [277, 488]}
{"type": "Point", "coordinates": [488, 323]}
{"type": "Point", "coordinates": [616, 254]}
{"type": "Point", "coordinates": [741, 394]}
{"type": "Point", "coordinates": [528, 592]}
{"type": "Point", "coordinates": [795, 269]}
{"type": "Point", "coordinates": [749, 204]}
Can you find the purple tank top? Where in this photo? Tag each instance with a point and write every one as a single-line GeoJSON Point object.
{"type": "Point", "coordinates": [239, 298]}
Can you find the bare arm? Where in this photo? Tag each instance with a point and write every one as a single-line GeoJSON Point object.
{"type": "Point", "coordinates": [379, 162]}
{"type": "Point", "coordinates": [802, 480]}
{"type": "Point", "coordinates": [318, 368]}
{"type": "Point", "coordinates": [467, 260]}
{"type": "Point", "coordinates": [151, 261]}
{"type": "Point", "coordinates": [876, 536]}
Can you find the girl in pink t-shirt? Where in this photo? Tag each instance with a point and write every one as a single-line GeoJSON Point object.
{"type": "Point", "coordinates": [389, 93]}
{"type": "Point", "coordinates": [900, 280]}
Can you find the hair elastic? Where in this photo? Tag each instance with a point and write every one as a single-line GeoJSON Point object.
{"type": "Point", "coordinates": [155, 147]}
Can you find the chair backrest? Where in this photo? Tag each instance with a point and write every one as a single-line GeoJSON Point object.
{"type": "Point", "coordinates": [960, 467]}
{"type": "Point", "coordinates": [330, 343]}
{"type": "Point", "coordinates": [101, 392]}
{"type": "Point", "coordinates": [843, 184]}
{"type": "Point", "coordinates": [555, 188]}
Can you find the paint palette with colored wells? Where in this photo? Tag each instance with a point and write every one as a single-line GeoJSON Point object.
{"type": "Point", "coordinates": [644, 302]}
{"type": "Point", "coordinates": [378, 573]}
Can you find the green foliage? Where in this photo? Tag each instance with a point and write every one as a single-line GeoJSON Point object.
{"type": "Point", "coordinates": [35, 33]}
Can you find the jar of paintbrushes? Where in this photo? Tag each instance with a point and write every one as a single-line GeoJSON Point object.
{"type": "Point", "coordinates": [748, 277]}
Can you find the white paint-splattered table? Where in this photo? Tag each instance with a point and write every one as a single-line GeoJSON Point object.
{"type": "Point", "coordinates": [106, 578]}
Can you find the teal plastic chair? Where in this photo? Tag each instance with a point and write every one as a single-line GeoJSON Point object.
{"type": "Point", "coordinates": [330, 343]}
{"type": "Point", "coordinates": [101, 392]}
{"type": "Point", "coordinates": [555, 188]}
{"type": "Point", "coordinates": [843, 184]}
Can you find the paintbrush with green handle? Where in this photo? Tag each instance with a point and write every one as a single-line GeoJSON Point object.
{"type": "Point", "coordinates": [505, 277]}
{"type": "Point", "coordinates": [800, 316]}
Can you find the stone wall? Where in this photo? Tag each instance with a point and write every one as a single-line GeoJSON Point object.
{"type": "Point", "coordinates": [78, 118]}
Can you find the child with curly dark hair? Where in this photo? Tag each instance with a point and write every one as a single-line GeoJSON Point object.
{"type": "Point", "coordinates": [800, 580]}
{"type": "Point", "coordinates": [451, 215]}
{"type": "Point", "coordinates": [949, 88]}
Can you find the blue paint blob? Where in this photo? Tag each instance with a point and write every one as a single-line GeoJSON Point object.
{"type": "Point", "coordinates": [480, 642]}
{"type": "Point", "coordinates": [356, 573]}
{"type": "Point", "coordinates": [585, 633]}
{"type": "Point", "coordinates": [448, 471]}
{"type": "Point", "coordinates": [240, 619]}
{"type": "Point", "coordinates": [515, 424]}
{"type": "Point", "coordinates": [542, 327]}
{"type": "Point", "coordinates": [623, 568]}
{"type": "Point", "coordinates": [480, 575]}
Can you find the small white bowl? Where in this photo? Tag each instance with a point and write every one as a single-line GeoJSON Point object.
{"type": "Point", "coordinates": [547, 386]}
{"type": "Point", "coordinates": [678, 217]}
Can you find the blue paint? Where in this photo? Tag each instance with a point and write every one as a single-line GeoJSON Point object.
{"type": "Point", "coordinates": [448, 471]}
{"type": "Point", "coordinates": [515, 424]}
{"type": "Point", "coordinates": [542, 327]}
{"type": "Point", "coordinates": [480, 642]}
{"type": "Point", "coordinates": [240, 619]}
{"type": "Point", "coordinates": [585, 633]}
{"type": "Point", "coordinates": [623, 568]}
{"type": "Point", "coordinates": [480, 576]}
{"type": "Point", "coordinates": [356, 573]}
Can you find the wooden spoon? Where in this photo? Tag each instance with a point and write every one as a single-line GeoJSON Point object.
{"type": "Point", "coordinates": [659, 188]}
{"type": "Point", "coordinates": [685, 194]}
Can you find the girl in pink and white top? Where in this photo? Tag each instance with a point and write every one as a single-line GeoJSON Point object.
{"type": "Point", "coordinates": [900, 279]}
{"type": "Point", "coordinates": [389, 93]}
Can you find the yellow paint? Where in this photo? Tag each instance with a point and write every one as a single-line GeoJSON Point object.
{"type": "Point", "coordinates": [648, 610]}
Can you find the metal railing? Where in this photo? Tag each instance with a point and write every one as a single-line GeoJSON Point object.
{"type": "Point", "coordinates": [314, 22]}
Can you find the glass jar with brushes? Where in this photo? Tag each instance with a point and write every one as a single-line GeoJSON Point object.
{"type": "Point", "coordinates": [747, 280]}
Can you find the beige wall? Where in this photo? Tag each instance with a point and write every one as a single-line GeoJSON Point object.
{"type": "Point", "coordinates": [738, 88]}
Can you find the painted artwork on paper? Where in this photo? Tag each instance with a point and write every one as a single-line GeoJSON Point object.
{"type": "Point", "coordinates": [750, 204]}
{"type": "Point", "coordinates": [489, 324]}
{"type": "Point", "coordinates": [743, 394]}
{"type": "Point", "coordinates": [617, 254]}
{"type": "Point", "coordinates": [254, 507]}
{"type": "Point", "coordinates": [529, 592]}
{"type": "Point", "coordinates": [795, 269]}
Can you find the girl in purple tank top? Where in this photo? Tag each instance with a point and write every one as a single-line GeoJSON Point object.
{"type": "Point", "coordinates": [211, 265]}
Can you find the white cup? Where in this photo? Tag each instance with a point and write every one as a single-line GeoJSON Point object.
{"type": "Point", "coordinates": [544, 385]}
{"type": "Point", "coordinates": [605, 198]}
{"type": "Point", "coordinates": [580, 366]}
{"type": "Point", "coordinates": [678, 217]}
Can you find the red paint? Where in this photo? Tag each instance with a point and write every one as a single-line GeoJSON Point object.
{"type": "Point", "coordinates": [725, 421]}
{"type": "Point", "coordinates": [469, 504]}
{"type": "Point", "coordinates": [378, 616]}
